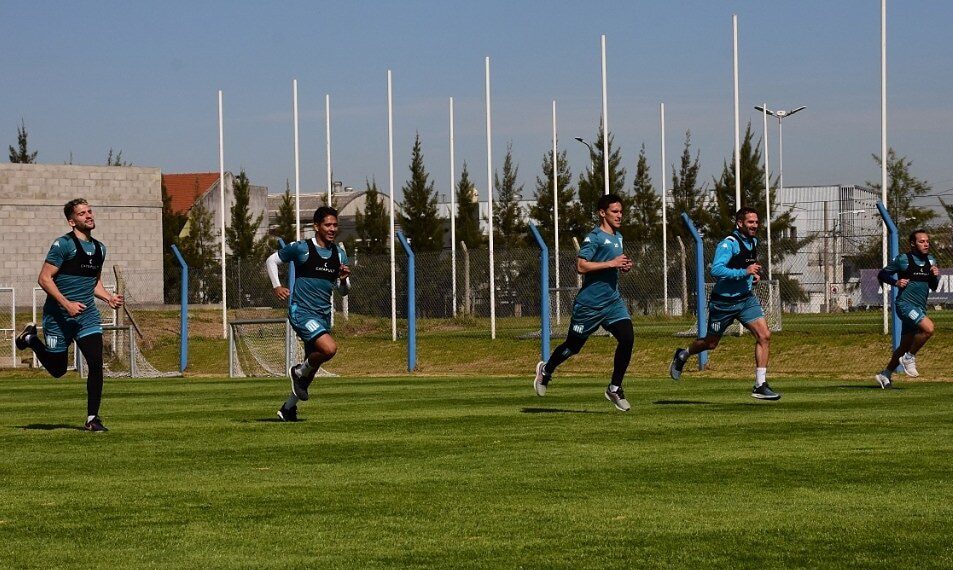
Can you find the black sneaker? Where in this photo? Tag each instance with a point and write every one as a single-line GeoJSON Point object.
{"type": "Point", "coordinates": [299, 385]}
{"type": "Point", "coordinates": [617, 398]}
{"type": "Point", "coordinates": [764, 392]}
{"type": "Point", "coordinates": [95, 424]}
{"type": "Point", "coordinates": [678, 362]}
{"type": "Point", "coordinates": [22, 341]}
{"type": "Point", "coordinates": [288, 415]}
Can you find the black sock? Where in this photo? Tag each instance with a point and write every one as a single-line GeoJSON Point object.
{"type": "Point", "coordinates": [622, 331]}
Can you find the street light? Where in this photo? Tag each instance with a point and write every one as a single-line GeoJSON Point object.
{"type": "Point", "coordinates": [592, 154]}
{"type": "Point", "coordinates": [781, 115]}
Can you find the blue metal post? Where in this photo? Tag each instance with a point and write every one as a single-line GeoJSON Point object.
{"type": "Point", "coordinates": [184, 315]}
{"type": "Point", "coordinates": [702, 306]}
{"type": "Point", "coordinates": [411, 305]}
{"type": "Point", "coordinates": [893, 250]}
{"type": "Point", "coordinates": [544, 329]}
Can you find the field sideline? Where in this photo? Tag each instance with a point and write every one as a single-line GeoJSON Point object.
{"type": "Point", "coordinates": [477, 472]}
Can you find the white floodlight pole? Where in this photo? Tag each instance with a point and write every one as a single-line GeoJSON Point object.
{"type": "Point", "coordinates": [453, 216]}
{"type": "Point", "coordinates": [883, 142]}
{"type": "Point", "coordinates": [556, 219]}
{"type": "Point", "coordinates": [327, 141]}
{"type": "Point", "coordinates": [664, 213]}
{"type": "Point", "coordinates": [605, 121]}
{"type": "Point", "coordinates": [489, 200]}
{"type": "Point", "coordinates": [294, 110]}
{"type": "Point", "coordinates": [393, 233]}
{"type": "Point", "coordinates": [221, 187]}
{"type": "Point", "coordinates": [767, 188]}
{"type": "Point", "coordinates": [734, 30]}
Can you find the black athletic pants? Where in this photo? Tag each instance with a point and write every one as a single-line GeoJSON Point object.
{"type": "Point", "coordinates": [56, 362]}
{"type": "Point", "coordinates": [621, 330]}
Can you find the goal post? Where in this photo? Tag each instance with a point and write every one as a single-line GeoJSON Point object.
{"type": "Point", "coordinates": [768, 294]}
{"type": "Point", "coordinates": [264, 348]}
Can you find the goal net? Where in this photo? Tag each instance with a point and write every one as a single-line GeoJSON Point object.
{"type": "Point", "coordinates": [122, 357]}
{"type": "Point", "coordinates": [767, 293]}
{"type": "Point", "coordinates": [8, 327]}
{"type": "Point", "coordinates": [264, 348]}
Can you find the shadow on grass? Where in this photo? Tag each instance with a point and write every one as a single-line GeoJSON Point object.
{"type": "Point", "coordinates": [866, 387]}
{"type": "Point", "coordinates": [557, 411]}
{"type": "Point", "coordinates": [51, 427]}
{"type": "Point", "coordinates": [680, 403]}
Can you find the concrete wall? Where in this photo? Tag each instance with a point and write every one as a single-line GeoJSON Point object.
{"type": "Point", "coordinates": [127, 204]}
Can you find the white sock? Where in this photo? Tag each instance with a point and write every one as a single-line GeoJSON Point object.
{"type": "Point", "coordinates": [90, 418]}
{"type": "Point", "coordinates": [759, 376]}
{"type": "Point", "coordinates": [306, 368]}
{"type": "Point", "coordinates": [291, 402]}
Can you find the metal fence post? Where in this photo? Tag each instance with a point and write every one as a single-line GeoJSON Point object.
{"type": "Point", "coordinates": [701, 307]}
{"type": "Point", "coordinates": [184, 311]}
{"type": "Point", "coordinates": [543, 293]}
{"type": "Point", "coordinates": [289, 336]}
{"type": "Point", "coordinates": [467, 297]}
{"type": "Point", "coordinates": [894, 251]}
{"type": "Point", "coordinates": [411, 305]}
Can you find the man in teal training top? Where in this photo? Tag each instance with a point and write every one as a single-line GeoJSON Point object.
{"type": "Point", "coordinates": [320, 267]}
{"type": "Point", "coordinates": [70, 276]}
{"type": "Point", "coordinates": [917, 274]}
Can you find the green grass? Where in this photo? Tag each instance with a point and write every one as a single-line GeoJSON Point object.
{"type": "Point", "coordinates": [477, 472]}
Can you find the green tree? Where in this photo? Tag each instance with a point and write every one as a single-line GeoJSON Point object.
{"type": "Point", "coordinates": [373, 224]}
{"type": "Point", "coordinates": [643, 223]}
{"type": "Point", "coordinates": [720, 218]}
{"type": "Point", "coordinates": [686, 195]}
{"type": "Point", "coordinates": [240, 235]}
{"type": "Point", "coordinates": [21, 154]}
{"type": "Point", "coordinates": [419, 217]}
{"type": "Point", "coordinates": [285, 218]}
{"type": "Point", "coordinates": [116, 160]}
{"type": "Point", "coordinates": [903, 189]}
{"type": "Point", "coordinates": [200, 248]}
{"type": "Point", "coordinates": [468, 211]}
{"type": "Point", "coordinates": [172, 224]}
{"type": "Point", "coordinates": [592, 185]}
{"type": "Point", "coordinates": [509, 229]}
{"type": "Point", "coordinates": [542, 210]}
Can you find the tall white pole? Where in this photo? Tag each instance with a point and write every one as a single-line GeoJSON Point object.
{"type": "Point", "coordinates": [883, 142]}
{"type": "Point", "coordinates": [221, 187]}
{"type": "Point", "coordinates": [734, 31]}
{"type": "Point", "coordinates": [605, 121]}
{"type": "Point", "coordinates": [767, 187]}
{"type": "Point", "coordinates": [453, 216]}
{"type": "Point", "coordinates": [327, 140]}
{"type": "Point", "coordinates": [556, 219]}
{"type": "Point", "coordinates": [393, 232]}
{"type": "Point", "coordinates": [294, 110]}
{"type": "Point", "coordinates": [489, 200]}
{"type": "Point", "coordinates": [664, 213]}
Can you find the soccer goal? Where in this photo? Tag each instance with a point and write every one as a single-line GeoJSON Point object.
{"type": "Point", "coordinates": [768, 296]}
{"type": "Point", "coordinates": [122, 357]}
{"type": "Point", "coordinates": [264, 348]}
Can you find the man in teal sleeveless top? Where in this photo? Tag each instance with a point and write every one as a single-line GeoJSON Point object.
{"type": "Point", "coordinates": [917, 274]}
{"type": "Point", "coordinates": [320, 267]}
{"type": "Point", "coordinates": [71, 278]}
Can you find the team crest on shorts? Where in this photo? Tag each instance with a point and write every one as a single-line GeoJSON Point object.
{"type": "Point", "coordinates": [311, 325]}
{"type": "Point", "coordinates": [913, 314]}
{"type": "Point", "coordinates": [716, 326]}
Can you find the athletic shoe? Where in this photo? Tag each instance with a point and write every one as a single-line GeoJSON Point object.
{"type": "Point", "coordinates": [541, 380]}
{"type": "Point", "coordinates": [764, 392]}
{"type": "Point", "coordinates": [95, 424]}
{"type": "Point", "coordinates": [28, 330]}
{"type": "Point", "coordinates": [288, 415]}
{"type": "Point", "coordinates": [909, 365]}
{"type": "Point", "coordinates": [618, 399]}
{"type": "Point", "coordinates": [299, 385]}
{"type": "Point", "coordinates": [884, 381]}
{"type": "Point", "coordinates": [678, 362]}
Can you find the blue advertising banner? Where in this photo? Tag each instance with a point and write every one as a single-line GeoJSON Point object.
{"type": "Point", "coordinates": [871, 293]}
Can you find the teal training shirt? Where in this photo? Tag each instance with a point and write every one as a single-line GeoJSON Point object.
{"type": "Point", "coordinates": [312, 287]}
{"type": "Point", "coordinates": [77, 288]}
{"type": "Point", "coordinates": [600, 288]}
{"type": "Point", "coordinates": [921, 280]}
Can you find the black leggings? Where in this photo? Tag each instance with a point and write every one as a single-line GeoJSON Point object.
{"type": "Point", "coordinates": [56, 362]}
{"type": "Point", "coordinates": [621, 330]}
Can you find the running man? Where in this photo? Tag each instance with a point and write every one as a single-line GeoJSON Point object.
{"type": "Point", "coordinates": [917, 274]}
{"type": "Point", "coordinates": [599, 302]}
{"type": "Point", "coordinates": [71, 277]}
{"type": "Point", "coordinates": [736, 270]}
{"type": "Point", "coordinates": [320, 266]}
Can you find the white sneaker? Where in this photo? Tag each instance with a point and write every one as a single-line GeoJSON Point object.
{"type": "Point", "coordinates": [883, 381]}
{"type": "Point", "coordinates": [538, 384]}
{"type": "Point", "coordinates": [909, 365]}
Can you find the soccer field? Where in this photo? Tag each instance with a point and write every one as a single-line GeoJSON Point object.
{"type": "Point", "coordinates": [436, 472]}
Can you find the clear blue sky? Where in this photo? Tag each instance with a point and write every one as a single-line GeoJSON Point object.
{"type": "Point", "coordinates": [142, 77]}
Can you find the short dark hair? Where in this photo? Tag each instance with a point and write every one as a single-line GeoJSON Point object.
{"type": "Point", "coordinates": [913, 234]}
{"type": "Point", "coordinates": [324, 212]}
{"type": "Point", "coordinates": [607, 200]}
{"type": "Point", "coordinates": [740, 214]}
{"type": "Point", "coordinates": [71, 205]}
